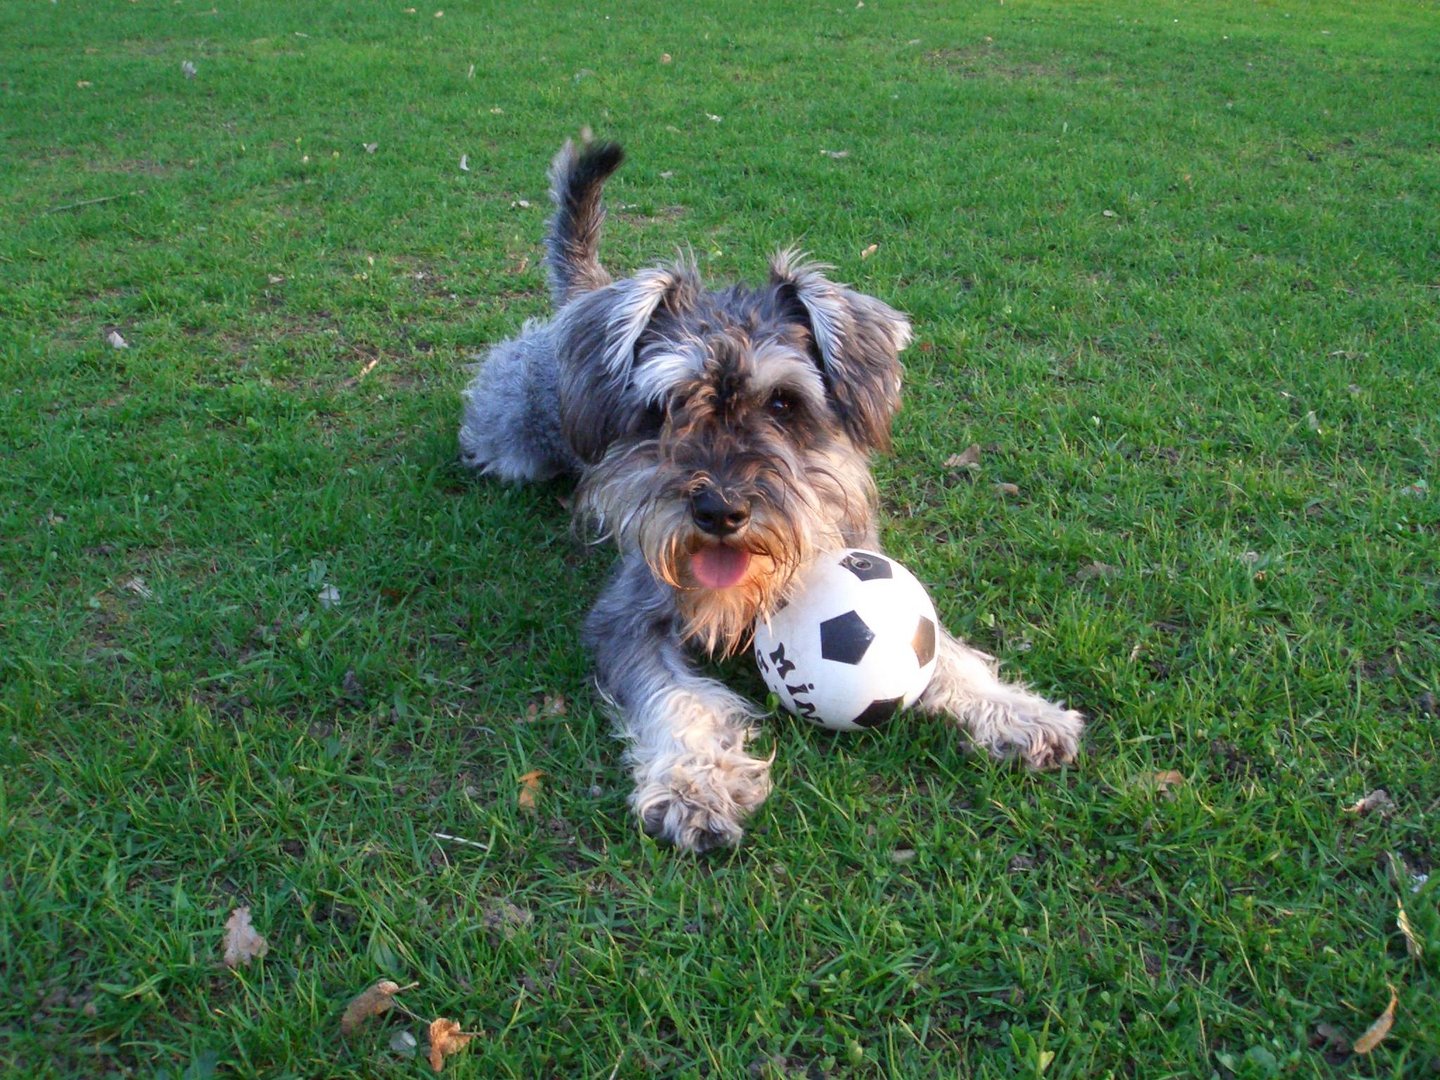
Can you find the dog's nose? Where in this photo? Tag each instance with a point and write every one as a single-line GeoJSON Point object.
{"type": "Point", "coordinates": [718, 514]}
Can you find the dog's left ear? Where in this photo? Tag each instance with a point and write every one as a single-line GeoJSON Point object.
{"type": "Point", "coordinates": [859, 339]}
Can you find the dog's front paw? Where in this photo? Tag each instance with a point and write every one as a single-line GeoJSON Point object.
{"type": "Point", "coordinates": [1047, 739]}
{"type": "Point", "coordinates": [698, 804]}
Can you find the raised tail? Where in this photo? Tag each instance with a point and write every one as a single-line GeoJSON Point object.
{"type": "Point", "coordinates": [577, 176]}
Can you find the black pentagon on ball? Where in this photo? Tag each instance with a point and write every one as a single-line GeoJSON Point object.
{"type": "Point", "coordinates": [845, 638]}
{"type": "Point", "coordinates": [868, 567]}
{"type": "Point", "coordinates": [924, 641]}
{"type": "Point", "coordinates": [877, 712]}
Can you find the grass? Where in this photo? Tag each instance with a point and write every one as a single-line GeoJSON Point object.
{"type": "Point", "coordinates": [1174, 268]}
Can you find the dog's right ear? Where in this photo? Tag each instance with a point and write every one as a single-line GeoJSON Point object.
{"type": "Point", "coordinates": [859, 339]}
{"type": "Point", "coordinates": [599, 338]}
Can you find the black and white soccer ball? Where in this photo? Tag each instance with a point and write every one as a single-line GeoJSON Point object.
{"type": "Point", "coordinates": [853, 645]}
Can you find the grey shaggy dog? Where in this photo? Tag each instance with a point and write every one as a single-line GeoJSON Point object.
{"type": "Point", "coordinates": [722, 439]}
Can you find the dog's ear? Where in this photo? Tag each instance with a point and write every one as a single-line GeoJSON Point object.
{"type": "Point", "coordinates": [859, 339]}
{"type": "Point", "coordinates": [603, 329]}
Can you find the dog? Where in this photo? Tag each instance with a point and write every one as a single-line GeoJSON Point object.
{"type": "Point", "coordinates": [722, 439]}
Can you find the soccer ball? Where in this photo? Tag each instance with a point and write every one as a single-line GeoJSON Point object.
{"type": "Point", "coordinates": [853, 645]}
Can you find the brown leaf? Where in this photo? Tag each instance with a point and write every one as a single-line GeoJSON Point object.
{"type": "Point", "coordinates": [967, 458]}
{"type": "Point", "coordinates": [529, 789]}
{"type": "Point", "coordinates": [550, 708]}
{"type": "Point", "coordinates": [1377, 802]}
{"type": "Point", "coordinates": [1007, 489]}
{"type": "Point", "coordinates": [446, 1038]}
{"type": "Point", "coordinates": [242, 942]}
{"type": "Point", "coordinates": [1169, 779]}
{"type": "Point", "coordinates": [1376, 1032]}
{"type": "Point", "coordinates": [371, 1002]}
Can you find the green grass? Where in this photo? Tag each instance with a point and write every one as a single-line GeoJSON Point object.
{"type": "Point", "coordinates": [1174, 266]}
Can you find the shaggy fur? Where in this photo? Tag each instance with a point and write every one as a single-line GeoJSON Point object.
{"type": "Point", "coordinates": [721, 438]}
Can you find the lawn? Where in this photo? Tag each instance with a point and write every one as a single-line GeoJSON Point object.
{"type": "Point", "coordinates": [1174, 269]}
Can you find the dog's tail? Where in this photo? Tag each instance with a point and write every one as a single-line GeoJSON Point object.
{"type": "Point", "coordinates": [576, 176]}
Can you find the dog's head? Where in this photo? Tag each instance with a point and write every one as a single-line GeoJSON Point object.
{"type": "Point", "coordinates": [728, 433]}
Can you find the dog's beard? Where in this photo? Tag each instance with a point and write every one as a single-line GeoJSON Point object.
{"type": "Point", "coordinates": [809, 502]}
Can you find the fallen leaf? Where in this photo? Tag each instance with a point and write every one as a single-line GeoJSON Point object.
{"type": "Point", "coordinates": [137, 586]}
{"type": "Point", "coordinates": [1413, 948]}
{"type": "Point", "coordinates": [1375, 1034]}
{"type": "Point", "coordinates": [1007, 489]}
{"type": "Point", "coordinates": [1377, 802]}
{"type": "Point", "coordinates": [446, 1038]}
{"type": "Point", "coordinates": [1168, 779]}
{"type": "Point", "coordinates": [552, 706]}
{"type": "Point", "coordinates": [529, 789]}
{"type": "Point", "coordinates": [242, 942]}
{"type": "Point", "coordinates": [370, 1002]}
{"type": "Point", "coordinates": [968, 458]}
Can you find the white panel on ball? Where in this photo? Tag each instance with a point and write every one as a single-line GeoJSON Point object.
{"type": "Point", "coordinates": [854, 644]}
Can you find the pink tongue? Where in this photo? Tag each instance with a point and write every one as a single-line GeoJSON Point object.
{"type": "Point", "coordinates": [718, 567]}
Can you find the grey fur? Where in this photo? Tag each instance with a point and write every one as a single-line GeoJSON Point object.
{"type": "Point", "coordinates": [721, 438]}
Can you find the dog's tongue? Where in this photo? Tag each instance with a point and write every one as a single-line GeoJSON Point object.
{"type": "Point", "coordinates": [716, 566]}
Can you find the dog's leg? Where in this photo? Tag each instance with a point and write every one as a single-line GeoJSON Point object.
{"type": "Point", "coordinates": [1004, 719]}
{"type": "Point", "coordinates": [694, 784]}
{"type": "Point", "coordinates": [508, 427]}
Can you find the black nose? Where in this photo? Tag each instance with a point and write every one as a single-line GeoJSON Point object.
{"type": "Point", "coordinates": [719, 514]}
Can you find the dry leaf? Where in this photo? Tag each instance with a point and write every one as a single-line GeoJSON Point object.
{"type": "Point", "coordinates": [1007, 489]}
{"type": "Point", "coordinates": [371, 1002]}
{"type": "Point", "coordinates": [551, 707]}
{"type": "Point", "coordinates": [242, 942]}
{"type": "Point", "coordinates": [1168, 779]}
{"type": "Point", "coordinates": [529, 789]}
{"type": "Point", "coordinates": [1413, 948]}
{"type": "Point", "coordinates": [446, 1038]}
{"type": "Point", "coordinates": [966, 459]}
{"type": "Point", "coordinates": [1378, 801]}
{"type": "Point", "coordinates": [1376, 1032]}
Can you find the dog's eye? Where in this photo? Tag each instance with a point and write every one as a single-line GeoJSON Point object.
{"type": "Point", "coordinates": [652, 419]}
{"type": "Point", "coordinates": [781, 404]}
